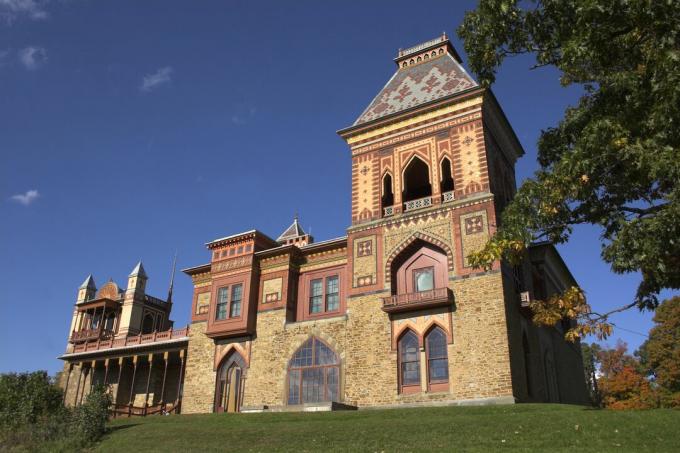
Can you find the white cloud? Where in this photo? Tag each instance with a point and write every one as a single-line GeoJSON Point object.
{"type": "Point", "coordinates": [33, 57]}
{"type": "Point", "coordinates": [160, 77]}
{"type": "Point", "coordinates": [25, 198]}
{"type": "Point", "coordinates": [11, 10]}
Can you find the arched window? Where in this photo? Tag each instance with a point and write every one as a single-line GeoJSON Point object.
{"type": "Point", "coordinates": [416, 181]}
{"type": "Point", "coordinates": [446, 184]}
{"type": "Point", "coordinates": [387, 194]}
{"type": "Point", "coordinates": [409, 363]}
{"type": "Point", "coordinates": [419, 267]}
{"type": "Point", "coordinates": [229, 383]}
{"type": "Point", "coordinates": [313, 374]}
{"type": "Point", "coordinates": [147, 324]}
{"type": "Point", "coordinates": [437, 360]}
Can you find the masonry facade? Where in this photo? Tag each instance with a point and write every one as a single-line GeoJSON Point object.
{"type": "Point", "coordinates": [392, 313]}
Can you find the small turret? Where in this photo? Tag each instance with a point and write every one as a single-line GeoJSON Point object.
{"type": "Point", "coordinates": [295, 235]}
{"type": "Point", "coordinates": [87, 290]}
{"type": "Point", "coordinates": [137, 279]}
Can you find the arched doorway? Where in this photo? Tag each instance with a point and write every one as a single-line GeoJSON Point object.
{"type": "Point", "coordinates": [416, 180]}
{"type": "Point", "coordinates": [229, 386]}
{"type": "Point", "coordinates": [313, 374]}
{"type": "Point", "coordinates": [387, 199]}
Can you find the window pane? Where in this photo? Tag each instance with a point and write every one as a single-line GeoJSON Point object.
{"type": "Point", "coordinates": [439, 370]}
{"type": "Point", "coordinates": [332, 294]}
{"type": "Point", "coordinates": [410, 373]}
{"type": "Point", "coordinates": [294, 387]}
{"type": "Point", "coordinates": [222, 295]}
{"type": "Point", "coordinates": [408, 347]}
{"type": "Point", "coordinates": [424, 279]}
{"type": "Point", "coordinates": [312, 385]}
{"type": "Point", "coordinates": [323, 354]}
{"type": "Point", "coordinates": [332, 383]}
{"type": "Point", "coordinates": [436, 344]}
{"type": "Point", "coordinates": [236, 296]}
{"type": "Point", "coordinates": [316, 296]}
{"type": "Point", "coordinates": [303, 357]}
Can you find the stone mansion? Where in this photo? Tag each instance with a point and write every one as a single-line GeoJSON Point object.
{"type": "Point", "coordinates": [389, 315]}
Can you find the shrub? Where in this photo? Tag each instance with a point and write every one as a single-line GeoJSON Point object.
{"type": "Point", "coordinates": [26, 397]}
{"type": "Point", "coordinates": [90, 417]}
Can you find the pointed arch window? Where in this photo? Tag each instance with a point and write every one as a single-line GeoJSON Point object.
{"type": "Point", "coordinates": [437, 360]}
{"type": "Point", "coordinates": [147, 324]}
{"type": "Point", "coordinates": [416, 180]}
{"type": "Point", "coordinates": [409, 363]}
{"type": "Point", "coordinates": [387, 199]}
{"type": "Point", "coordinates": [446, 183]}
{"type": "Point", "coordinates": [313, 374]}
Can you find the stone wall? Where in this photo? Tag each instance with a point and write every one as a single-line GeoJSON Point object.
{"type": "Point", "coordinates": [199, 378]}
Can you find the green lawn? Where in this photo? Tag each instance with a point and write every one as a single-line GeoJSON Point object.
{"type": "Point", "coordinates": [526, 427]}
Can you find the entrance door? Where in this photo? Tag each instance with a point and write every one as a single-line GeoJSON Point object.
{"type": "Point", "coordinates": [228, 385]}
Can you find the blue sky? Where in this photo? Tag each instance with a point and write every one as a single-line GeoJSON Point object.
{"type": "Point", "coordinates": [133, 129]}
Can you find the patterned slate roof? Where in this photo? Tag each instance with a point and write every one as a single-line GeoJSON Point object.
{"type": "Point", "coordinates": [418, 84]}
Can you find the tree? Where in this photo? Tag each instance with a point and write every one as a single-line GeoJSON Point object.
{"type": "Point", "coordinates": [589, 353]}
{"type": "Point", "coordinates": [660, 354]}
{"type": "Point", "coordinates": [622, 383]}
{"type": "Point", "coordinates": [614, 159]}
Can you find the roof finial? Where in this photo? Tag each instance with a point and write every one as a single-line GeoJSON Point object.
{"type": "Point", "coordinates": [172, 277]}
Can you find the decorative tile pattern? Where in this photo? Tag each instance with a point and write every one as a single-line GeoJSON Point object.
{"type": "Point", "coordinates": [474, 224]}
{"type": "Point", "coordinates": [416, 85]}
{"type": "Point", "coordinates": [365, 248]}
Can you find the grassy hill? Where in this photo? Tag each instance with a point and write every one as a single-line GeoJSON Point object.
{"type": "Point", "coordinates": [526, 427]}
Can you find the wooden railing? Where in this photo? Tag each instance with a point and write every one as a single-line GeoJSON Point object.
{"type": "Point", "coordinates": [128, 410]}
{"type": "Point", "coordinates": [119, 342]}
{"type": "Point", "coordinates": [422, 299]}
{"type": "Point", "coordinates": [91, 334]}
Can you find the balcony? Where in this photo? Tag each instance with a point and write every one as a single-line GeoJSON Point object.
{"type": "Point", "coordinates": [398, 303]}
{"type": "Point", "coordinates": [388, 211]}
{"type": "Point", "coordinates": [448, 196]}
{"type": "Point", "coordinates": [417, 204]}
{"type": "Point", "coordinates": [90, 335]}
{"type": "Point", "coordinates": [122, 342]}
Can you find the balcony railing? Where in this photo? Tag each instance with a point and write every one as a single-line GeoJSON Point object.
{"type": "Point", "coordinates": [448, 196]}
{"type": "Point", "coordinates": [417, 204]}
{"type": "Point", "coordinates": [91, 334]}
{"type": "Point", "coordinates": [412, 301]}
{"type": "Point", "coordinates": [388, 211]}
{"type": "Point", "coordinates": [121, 342]}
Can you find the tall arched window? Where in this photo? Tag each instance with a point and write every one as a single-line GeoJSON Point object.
{"type": "Point", "coordinates": [229, 383]}
{"type": "Point", "coordinates": [437, 360]}
{"type": "Point", "coordinates": [387, 193]}
{"type": "Point", "coordinates": [416, 180]}
{"type": "Point", "coordinates": [147, 324]}
{"type": "Point", "coordinates": [313, 374]}
{"type": "Point", "coordinates": [409, 363]}
{"type": "Point", "coordinates": [446, 184]}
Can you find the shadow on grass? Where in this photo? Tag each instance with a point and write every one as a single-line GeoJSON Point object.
{"type": "Point", "coordinates": [113, 429]}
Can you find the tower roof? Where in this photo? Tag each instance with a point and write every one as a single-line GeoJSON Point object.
{"type": "Point", "coordinates": [293, 231]}
{"type": "Point", "coordinates": [139, 270]}
{"type": "Point", "coordinates": [427, 72]}
{"type": "Point", "coordinates": [88, 283]}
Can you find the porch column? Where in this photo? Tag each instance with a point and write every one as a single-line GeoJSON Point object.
{"type": "Point", "coordinates": [93, 368]}
{"type": "Point", "coordinates": [106, 371]}
{"type": "Point", "coordinates": [87, 373]}
{"type": "Point", "coordinates": [179, 382]}
{"type": "Point", "coordinates": [165, 372]}
{"type": "Point", "coordinates": [68, 377]}
{"type": "Point", "coordinates": [80, 376]}
{"type": "Point", "coordinates": [148, 381]}
{"type": "Point", "coordinates": [120, 373]}
{"type": "Point", "coordinates": [134, 374]}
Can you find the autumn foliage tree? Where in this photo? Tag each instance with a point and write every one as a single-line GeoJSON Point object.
{"type": "Point", "coordinates": [622, 384]}
{"type": "Point", "coordinates": [660, 354]}
{"type": "Point", "coordinates": [614, 159]}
